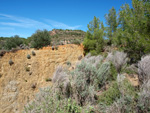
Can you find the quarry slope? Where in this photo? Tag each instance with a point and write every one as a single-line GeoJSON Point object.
{"type": "Point", "coordinates": [21, 81]}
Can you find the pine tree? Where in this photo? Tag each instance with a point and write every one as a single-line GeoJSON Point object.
{"type": "Point", "coordinates": [93, 41]}
{"type": "Point", "coordinates": [133, 29]}
{"type": "Point", "coordinates": [111, 20]}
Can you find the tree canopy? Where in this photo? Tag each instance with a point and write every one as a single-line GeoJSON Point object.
{"type": "Point", "coordinates": [40, 39]}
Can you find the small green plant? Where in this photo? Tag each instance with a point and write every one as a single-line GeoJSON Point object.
{"type": "Point", "coordinates": [53, 48]}
{"type": "Point", "coordinates": [110, 95]}
{"type": "Point", "coordinates": [2, 52]}
{"type": "Point", "coordinates": [11, 62]}
{"type": "Point", "coordinates": [48, 79]}
{"type": "Point", "coordinates": [33, 53]}
{"type": "Point", "coordinates": [30, 73]}
{"type": "Point", "coordinates": [113, 72]}
{"type": "Point", "coordinates": [56, 47]}
{"type": "Point", "coordinates": [27, 68]}
{"type": "Point", "coordinates": [76, 41]}
{"type": "Point", "coordinates": [28, 56]}
{"type": "Point", "coordinates": [68, 63]}
{"type": "Point", "coordinates": [33, 86]}
{"type": "Point", "coordinates": [0, 75]}
{"type": "Point", "coordinates": [80, 57]}
{"type": "Point", "coordinates": [93, 52]}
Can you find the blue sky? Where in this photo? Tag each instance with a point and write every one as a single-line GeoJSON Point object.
{"type": "Point", "coordinates": [24, 17]}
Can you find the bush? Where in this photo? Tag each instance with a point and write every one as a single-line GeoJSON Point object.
{"type": "Point", "coordinates": [103, 73]}
{"type": "Point", "coordinates": [61, 81]}
{"type": "Point", "coordinates": [76, 41]}
{"type": "Point", "coordinates": [87, 77]}
{"type": "Point", "coordinates": [143, 69]}
{"type": "Point", "coordinates": [40, 39]}
{"type": "Point", "coordinates": [144, 98]}
{"type": "Point", "coordinates": [53, 48]}
{"type": "Point", "coordinates": [48, 79]}
{"type": "Point", "coordinates": [2, 52]}
{"type": "Point", "coordinates": [110, 95]}
{"type": "Point", "coordinates": [113, 72]}
{"type": "Point", "coordinates": [119, 59]}
{"type": "Point", "coordinates": [11, 62]}
{"type": "Point", "coordinates": [28, 56]}
{"type": "Point", "coordinates": [120, 97]}
{"type": "Point", "coordinates": [80, 57]}
{"type": "Point", "coordinates": [93, 60]}
{"type": "Point", "coordinates": [47, 101]}
{"type": "Point", "coordinates": [27, 68]}
{"type": "Point", "coordinates": [68, 63]}
{"type": "Point", "coordinates": [56, 47]}
{"type": "Point", "coordinates": [83, 83]}
{"type": "Point", "coordinates": [33, 53]}
{"type": "Point", "coordinates": [125, 104]}
{"type": "Point", "coordinates": [13, 42]}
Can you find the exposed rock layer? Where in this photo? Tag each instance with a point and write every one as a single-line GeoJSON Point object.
{"type": "Point", "coordinates": [17, 80]}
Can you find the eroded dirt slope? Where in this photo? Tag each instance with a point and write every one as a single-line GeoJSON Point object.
{"type": "Point", "coordinates": [22, 80]}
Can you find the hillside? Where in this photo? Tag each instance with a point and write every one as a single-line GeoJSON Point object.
{"type": "Point", "coordinates": [20, 81]}
{"type": "Point", "coordinates": [60, 36]}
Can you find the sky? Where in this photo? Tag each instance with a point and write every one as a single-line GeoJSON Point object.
{"type": "Point", "coordinates": [24, 17]}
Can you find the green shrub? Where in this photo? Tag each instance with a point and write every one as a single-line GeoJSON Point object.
{"type": "Point", "coordinates": [27, 68]}
{"type": "Point", "coordinates": [48, 102]}
{"type": "Point", "coordinates": [40, 39]}
{"type": "Point", "coordinates": [83, 83]}
{"type": "Point", "coordinates": [93, 52]}
{"type": "Point", "coordinates": [56, 47]}
{"type": "Point", "coordinates": [33, 53]}
{"type": "Point", "coordinates": [76, 41]}
{"type": "Point", "coordinates": [103, 73]}
{"type": "Point", "coordinates": [113, 72]}
{"type": "Point", "coordinates": [110, 95]}
{"type": "Point", "coordinates": [125, 104]}
{"type": "Point", "coordinates": [143, 69]}
{"type": "Point", "coordinates": [28, 56]}
{"type": "Point", "coordinates": [11, 62]}
{"type": "Point", "coordinates": [88, 77]}
{"type": "Point", "coordinates": [144, 98]}
{"type": "Point", "coordinates": [13, 42]}
{"type": "Point", "coordinates": [117, 91]}
{"type": "Point", "coordinates": [48, 79]}
{"type": "Point", "coordinates": [126, 88]}
{"type": "Point", "coordinates": [68, 63]}
{"type": "Point", "coordinates": [2, 52]}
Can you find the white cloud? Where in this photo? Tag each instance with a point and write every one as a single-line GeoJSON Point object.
{"type": "Point", "coordinates": [23, 22]}
{"type": "Point", "coordinates": [6, 28]}
{"type": "Point", "coordinates": [30, 23]}
{"type": "Point", "coordinates": [15, 25]}
{"type": "Point", "coordinates": [60, 25]}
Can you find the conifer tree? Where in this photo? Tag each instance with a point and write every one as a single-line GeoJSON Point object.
{"type": "Point", "coordinates": [93, 41]}
{"type": "Point", "coordinates": [111, 21]}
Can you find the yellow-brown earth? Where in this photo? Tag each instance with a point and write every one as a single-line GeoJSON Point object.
{"type": "Point", "coordinates": [16, 81]}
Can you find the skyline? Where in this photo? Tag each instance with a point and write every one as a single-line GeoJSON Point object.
{"type": "Point", "coordinates": [24, 17]}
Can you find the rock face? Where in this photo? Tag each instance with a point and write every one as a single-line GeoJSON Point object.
{"type": "Point", "coordinates": [17, 80]}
